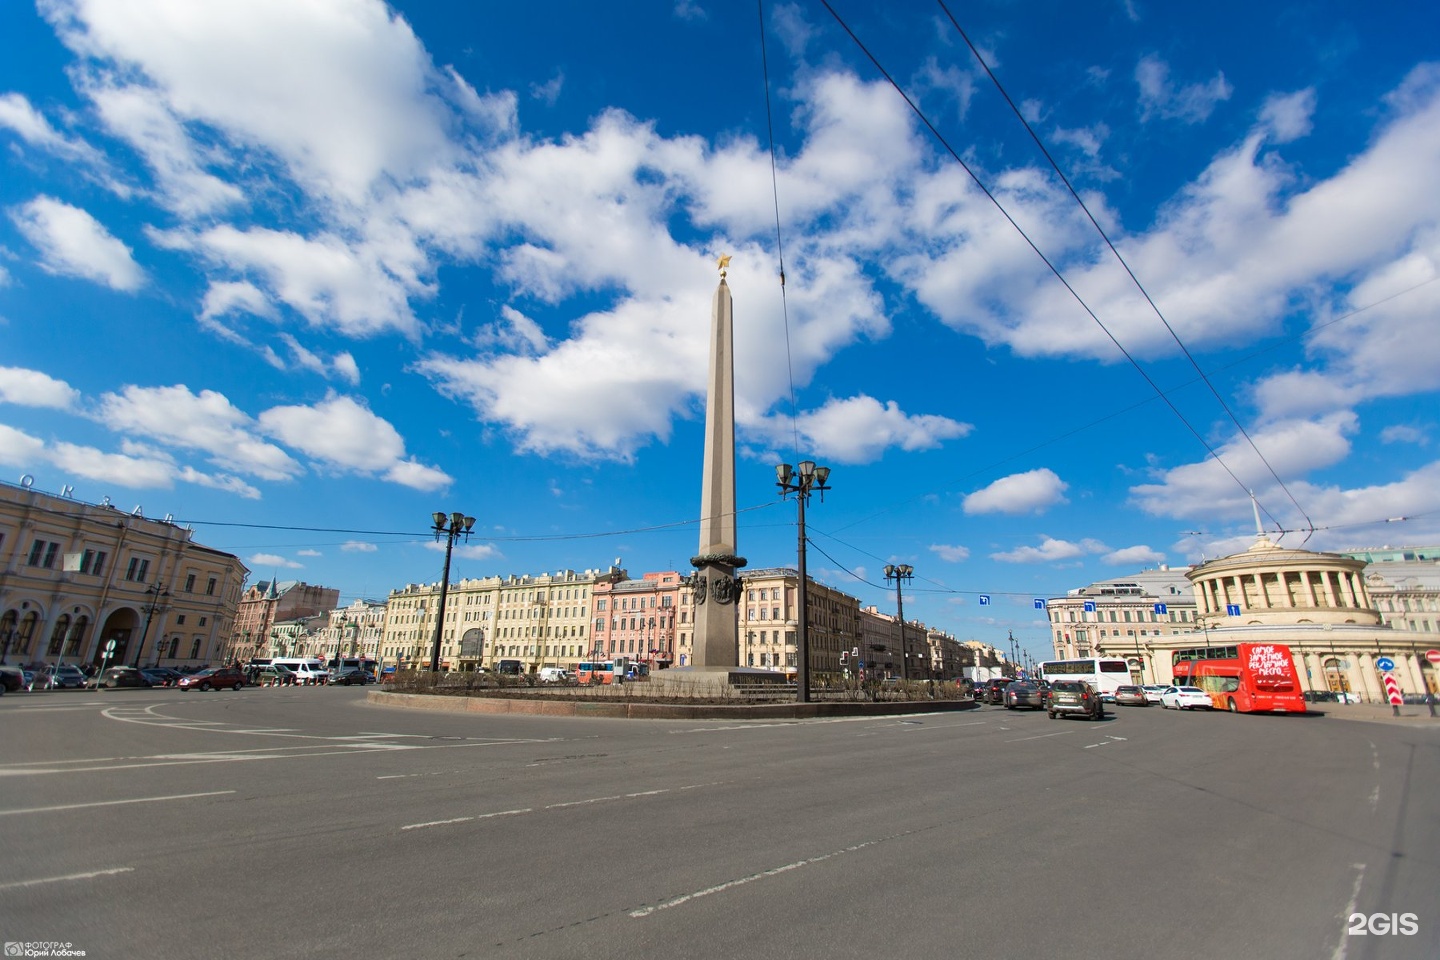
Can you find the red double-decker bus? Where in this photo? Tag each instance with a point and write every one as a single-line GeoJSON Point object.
{"type": "Point", "coordinates": [1245, 678]}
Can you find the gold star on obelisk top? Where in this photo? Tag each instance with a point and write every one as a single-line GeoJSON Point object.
{"type": "Point", "coordinates": [724, 261]}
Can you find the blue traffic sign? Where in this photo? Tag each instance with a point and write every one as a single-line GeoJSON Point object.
{"type": "Point", "coordinates": [1385, 663]}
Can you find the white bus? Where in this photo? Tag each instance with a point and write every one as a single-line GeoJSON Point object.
{"type": "Point", "coordinates": [1105, 674]}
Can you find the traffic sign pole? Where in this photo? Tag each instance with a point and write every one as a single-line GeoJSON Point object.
{"type": "Point", "coordinates": [1392, 693]}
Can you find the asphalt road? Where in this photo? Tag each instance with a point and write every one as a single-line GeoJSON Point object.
{"type": "Point", "coordinates": [310, 823]}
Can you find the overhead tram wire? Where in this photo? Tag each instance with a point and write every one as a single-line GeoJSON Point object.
{"type": "Point", "coordinates": [980, 471]}
{"type": "Point", "coordinates": [939, 587]}
{"type": "Point", "coordinates": [1129, 272]}
{"type": "Point", "coordinates": [920, 114]}
{"type": "Point", "coordinates": [779, 246]}
{"type": "Point", "coordinates": [417, 536]}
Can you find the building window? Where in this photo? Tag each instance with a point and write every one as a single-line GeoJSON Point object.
{"type": "Point", "coordinates": [137, 570]}
{"type": "Point", "coordinates": [180, 620]}
{"type": "Point", "coordinates": [202, 621]}
{"type": "Point", "coordinates": [42, 554]}
{"type": "Point", "coordinates": [195, 649]}
{"type": "Point", "coordinates": [210, 587]}
{"type": "Point", "coordinates": [190, 583]}
{"type": "Point", "coordinates": [92, 562]}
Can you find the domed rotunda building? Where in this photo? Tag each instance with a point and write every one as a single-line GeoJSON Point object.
{"type": "Point", "coordinates": [1315, 603]}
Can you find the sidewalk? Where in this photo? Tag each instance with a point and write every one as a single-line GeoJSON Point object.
{"type": "Point", "coordinates": [1411, 714]}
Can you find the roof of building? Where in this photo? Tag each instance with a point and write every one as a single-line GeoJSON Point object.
{"type": "Point", "coordinates": [1163, 582]}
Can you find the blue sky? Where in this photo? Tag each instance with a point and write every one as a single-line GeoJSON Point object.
{"type": "Point", "coordinates": [337, 265]}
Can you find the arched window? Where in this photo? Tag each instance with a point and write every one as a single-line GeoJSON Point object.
{"type": "Point", "coordinates": [27, 632]}
{"type": "Point", "coordinates": [77, 637]}
{"type": "Point", "coordinates": [57, 636]}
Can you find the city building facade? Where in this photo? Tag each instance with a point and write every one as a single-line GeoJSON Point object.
{"type": "Point", "coordinates": [75, 576]}
{"type": "Point", "coordinates": [268, 603]}
{"type": "Point", "coordinates": [539, 620]}
{"type": "Point", "coordinates": [638, 619]}
{"type": "Point", "coordinates": [1125, 617]}
{"type": "Point", "coordinates": [1326, 607]}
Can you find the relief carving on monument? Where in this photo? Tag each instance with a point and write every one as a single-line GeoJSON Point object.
{"type": "Point", "coordinates": [724, 589]}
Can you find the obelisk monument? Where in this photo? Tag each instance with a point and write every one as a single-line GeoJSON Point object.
{"type": "Point", "coordinates": [715, 589]}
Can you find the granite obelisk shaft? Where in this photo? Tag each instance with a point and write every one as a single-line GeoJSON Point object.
{"type": "Point", "coordinates": [715, 588]}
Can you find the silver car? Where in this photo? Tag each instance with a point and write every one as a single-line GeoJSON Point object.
{"type": "Point", "coordinates": [1022, 694]}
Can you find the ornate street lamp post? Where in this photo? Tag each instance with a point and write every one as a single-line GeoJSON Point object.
{"type": "Point", "coordinates": [900, 573]}
{"type": "Point", "coordinates": [156, 592]}
{"type": "Point", "coordinates": [801, 480]}
{"type": "Point", "coordinates": [454, 526]}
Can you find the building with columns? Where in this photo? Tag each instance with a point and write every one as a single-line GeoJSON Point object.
{"type": "Point", "coordinates": [540, 620]}
{"type": "Point", "coordinates": [1320, 605]}
{"type": "Point", "coordinates": [355, 630]}
{"type": "Point", "coordinates": [1404, 584]}
{"type": "Point", "coordinates": [75, 576]}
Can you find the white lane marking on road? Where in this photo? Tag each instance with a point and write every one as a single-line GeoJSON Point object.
{"type": "Point", "coordinates": [561, 806]}
{"type": "Point", "coordinates": [70, 876]}
{"type": "Point", "coordinates": [47, 709]}
{"type": "Point", "coordinates": [618, 796]}
{"type": "Point", "coordinates": [756, 725]}
{"type": "Point", "coordinates": [730, 884]}
{"type": "Point", "coordinates": [1059, 733]}
{"type": "Point", "coordinates": [113, 803]}
{"type": "Point", "coordinates": [1343, 942]}
{"type": "Point", "coordinates": [481, 816]}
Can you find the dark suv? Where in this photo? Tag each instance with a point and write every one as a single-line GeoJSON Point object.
{"type": "Point", "coordinates": [994, 690]}
{"type": "Point", "coordinates": [1074, 698]}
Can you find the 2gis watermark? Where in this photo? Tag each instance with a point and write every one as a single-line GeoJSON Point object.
{"type": "Point", "coordinates": [1382, 924]}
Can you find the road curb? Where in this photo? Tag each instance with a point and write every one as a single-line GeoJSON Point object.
{"type": "Point", "coordinates": [642, 710]}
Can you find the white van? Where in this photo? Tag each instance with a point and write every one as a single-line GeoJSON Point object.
{"type": "Point", "coordinates": [556, 675]}
{"type": "Point", "coordinates": [306, 670]}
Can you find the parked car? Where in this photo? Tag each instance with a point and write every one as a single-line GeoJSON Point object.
{"type": "Point", "coordinates": [162, 676]}
{"type": "Point", "coordinates": [348, 676]}
{"type": "Point", "coordinates": [120, 677]}
{"type": "Point", "coordinates": [1022, 694]}
{"type": "Point", "coordinates": [11, 678]}
{"type": "Point", "coordinates": [275, 675]}
{"type": "Point", "coordinates": [1131, 696]}
{"type": "Point", "coordinates": [1331, 696]}
{"type": "Point", "coordinates": [1153, 691]}
{"type": "Point", "coordinates": [213, 678]}
{"type": "Point", "coordinates": [65, 676]}
{"type": "Point", "coordinates": [1185, 698]}
{"type": "Point", "coordinates": [556, 675]}
{"type": "Point", "coordinates": [1074, 698]}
